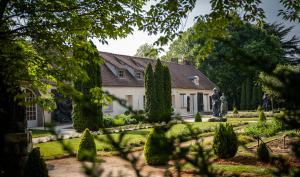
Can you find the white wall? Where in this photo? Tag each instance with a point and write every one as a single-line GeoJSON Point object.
{"type": "Point", "coordinates": [139, 92]}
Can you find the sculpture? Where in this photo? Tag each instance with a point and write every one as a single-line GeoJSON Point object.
{"type": "Point", "coordinates": [216, 102]}
{"type": "Point", "coordinates": [266, 102]}
{"type": "Point", "coordinates": [219, 107]}
{"type": "Point", "coordinates": [224, 105]}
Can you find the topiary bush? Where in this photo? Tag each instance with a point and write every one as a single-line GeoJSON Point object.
{"type": "Point", "coordinates": [157, 148]}
{"type": "Point", "coordinates": [87, 147]}
{"type": "Point", "coordinates": [198, 117]}
{"type": "Point", "coordinates": [235, 110]}
{"type": "Point", "coordinates": [35, 165]}
{"type": "Point", "coordinates": [225, 143]}
{"type": "Point", "coordinates": [262, 116]}
{"type": "Point", "coordinates": [263, 153]}
{"type": "Point", "coordinates": [259, 109]}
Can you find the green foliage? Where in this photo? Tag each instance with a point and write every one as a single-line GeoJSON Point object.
{"type": "Point", "coordinates": [235, 110]}
{"type": "Point", "coordinates": [198, 117]}
{"type": "Point", "coordinates": [243, 97]}
{"type": "Point", "coordinates": [120, 120]}
{"type": "Point", "coordinates": [167, 92]}
{"type": "Point", "coordinates": [87, 111]}
{"type": "Point", "coordinates": [248, 94]}
{"type": "Point", "coordinates": [87, 148]}
{"type": "Point", "coordinates": [259, 109]}
{"type": "Point", "coordinates": [157, 148]}
{"type": "Point", "coordinates": [263, 153]}
{"type": "Point", "coordinates": [262, 116]}
{"type": "Point", "coordinates": [159, 87]}
{"type": "Point", "coordinates": [150, 95]}
{"type": "Point", "coordinates": [265, 129]}
{"type": "Point", "coordinates": [147, 51]}
{"type": "Point", "coordinates": [35, 165]}
{"type": "Point", "coordinates": [127, 112]}
{"type": "Point", "coordinates": [244, 139]}
{"type": "Point", "coordinates": [225, 143]}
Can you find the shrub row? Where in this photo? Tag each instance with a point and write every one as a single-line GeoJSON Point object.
{"type": "Point", "coordinates": [122, 119]}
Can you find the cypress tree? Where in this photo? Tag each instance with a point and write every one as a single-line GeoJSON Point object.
{"type": "Point", "coordinates": [243, 97]}
{"type": "Point", "coordinates": [259, 95]}
{"type": "Point", "coordinates": [254, 98]}
{"type": "Point", "coordinates": [167, 94]}
{"type": "Point", "coordinates": [248, 94]}
{"type": "Point", "coordinates": [150, 95]}
{"type": "Point", "coordinates": [159, 88]}
{"type": "Point", "coordinates": [87, 114]}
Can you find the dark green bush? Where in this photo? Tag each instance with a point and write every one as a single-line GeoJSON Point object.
{"type": "Point", "coordinates": [35, 165]}
{"type": "Point", "coordinates": [127, 113]}
{"type": "Point", "coordinates": [87, 147]}
{"type": "Point", "coordinates": [157, 148]}
{"type": "Point", "coordinates": [225, 143]}
{"type": "Point", "coordinates": [262, 116]}
{"type": "Point", "coordinates": [198, 117]}
{"type": "Point", "coordinates": [263, 153]}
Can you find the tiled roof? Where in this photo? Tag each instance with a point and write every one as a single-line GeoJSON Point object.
{"type": "Point", "coordinates": [180, 73]}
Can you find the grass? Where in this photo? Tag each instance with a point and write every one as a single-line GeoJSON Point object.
{"type": "Point", "coordinates": [40, 133]}
{"type": "Point", "coordinates": [234, 169]}
{"type": "Point", "coordinates": [133, 138]}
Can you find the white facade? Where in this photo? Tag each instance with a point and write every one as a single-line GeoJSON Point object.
{"type": "Point", "coordinates": [180, 97]}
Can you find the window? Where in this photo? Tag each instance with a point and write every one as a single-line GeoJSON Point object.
{"type": "Point", "coordinates": [121, 74]}
{"type": "Point", "coordinates": [138, 75]}
{"type": "Point", "coordinates": [183, 100]}
{"type": "Point", "coordinates": [30, 109]}
{"type": "Point", "coordinates": [129, 100]}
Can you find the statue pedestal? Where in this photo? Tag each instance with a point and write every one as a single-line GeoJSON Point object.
{"type": "Point", "coordinates": [217, 119]}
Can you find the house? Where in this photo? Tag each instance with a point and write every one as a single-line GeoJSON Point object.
{"type": "Point", "coordinates": [123, 77]}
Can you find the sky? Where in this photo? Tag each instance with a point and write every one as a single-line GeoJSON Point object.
{"type": "Point", "coordinates": [131, 43]}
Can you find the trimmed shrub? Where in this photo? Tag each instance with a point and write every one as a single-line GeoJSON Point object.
{"type": "Point", "coordinates": [225, 143]}
{"type": "Point", "coordinates": [35, 165]}
{"type": "Point", "coordinates": [198, 117]}
{"type": "Point", "coordinates": [259, 109]}
{"type": "Point", "coordinates": [127, 113]}
{"type": "Point", "coordinates": [262, 116]}
{"type": "Point", "coordinates": [263, 153]}
{"type": "Point", "coordinates": [87, 147]}
{"type": "Point", "coordinates": [157, 148]}
{"type": "Point", "coordinates": [235, 110]}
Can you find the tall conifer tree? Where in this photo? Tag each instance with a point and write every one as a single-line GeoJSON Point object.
{"type": "Point", "coordinates": [150, 95]}
{"type": "Point", "coordinates": [167, 94]}
{"type": "Point", "coordinates": [243, 97]}
{"type": "Point", "coordinates": [159, 88]}
{"type": "Point", "coordinates": [248, 94]}
{"type": "Point", "coordinates": [254, 98]}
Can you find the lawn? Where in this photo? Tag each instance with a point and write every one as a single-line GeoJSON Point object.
{"type": "Point", "coordinates": [133, 138]}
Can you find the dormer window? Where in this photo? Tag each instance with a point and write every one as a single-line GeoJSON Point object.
{"type": "Point", "coordinates": [121, 74]}
{"type": "Point", "coordinates": [196, 80]}
{"type": "Point", "coordinates": [138, 75]}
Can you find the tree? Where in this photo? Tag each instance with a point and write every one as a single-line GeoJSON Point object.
{"type": "Point", "coordinates": [159, 89]}
{"type": "Point", "coordinates": [167, 89]}
{"type": "Point", "coordinates": [243, 97]}
{"type": "Point", "coordinates": [147, 50]}
{"type": "Point", "coordinates": [37, 39]}
{"type": "Point", "coordinates": [150, 95]}
{"type": "Point", "coordinates": [248, 94]}
{"type": "Point", "coordinates": [87, 147]}
{"type": "Point", "coordinates": [86, 113]}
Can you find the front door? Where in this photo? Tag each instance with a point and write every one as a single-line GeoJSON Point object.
{"type": "Point", "coordinates": [200, 101]}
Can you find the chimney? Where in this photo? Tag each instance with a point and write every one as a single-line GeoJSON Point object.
{"type": "Point", "coordinates": [174, 60]}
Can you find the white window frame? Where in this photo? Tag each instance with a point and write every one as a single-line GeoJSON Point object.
{"type": "Point", "coordinates": [183, 100]}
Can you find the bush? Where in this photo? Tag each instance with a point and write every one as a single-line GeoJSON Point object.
{"type": "Point", "coordinates": [263, 153]}
{"type": "Point", "coordinates": [198, 117]}
{"type": "Point", "coordinates": [262, 116]}
{"type": "Point", "coordinates": [265, 129]}
{"type": "Point", "coordinates": [225, 143]}
{"type": "Point", "coordinates": [127, 113]}
{"type": "Point", "coordinates": [157, 148]}
{"type": "Point", "coordinates": [87, 148]}
{"type": "Point", "coordinates": [120, 120]}
{"type": "Point", "coordinates": [235, 110]}
{"type": "Point", "coordinates": [35, 165]}
{"type": "Point", "coordinates": [259, 109]}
